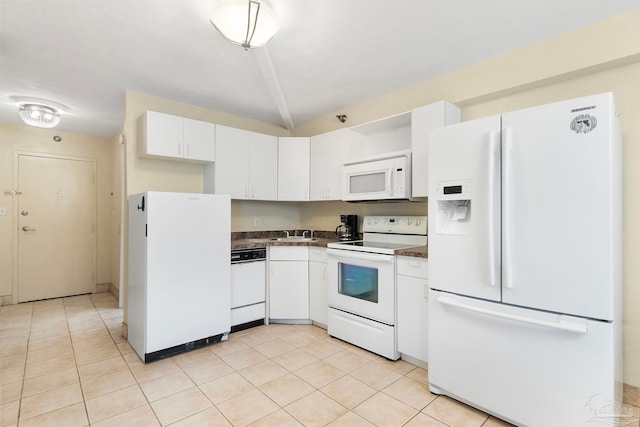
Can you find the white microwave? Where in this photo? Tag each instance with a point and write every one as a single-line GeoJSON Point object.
{"type": "Point", "coordinates": [386, 177]}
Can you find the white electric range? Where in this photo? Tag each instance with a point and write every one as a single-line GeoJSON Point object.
{"type": "Point", "coordinates": [362, 285]}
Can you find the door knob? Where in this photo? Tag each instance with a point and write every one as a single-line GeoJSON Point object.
{"type": "Point", "coordinates": [26, 228]}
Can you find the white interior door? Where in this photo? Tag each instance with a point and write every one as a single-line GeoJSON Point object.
{"type": "Point", "coordinates": [56, 227]}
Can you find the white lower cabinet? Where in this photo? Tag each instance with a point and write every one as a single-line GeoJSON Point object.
{"type": "Point", "coordinates": [412, 307]}
{"type": "Point", "coordinates": [318, 306]}
{"type": "Point", "coordinates": [288, 283]}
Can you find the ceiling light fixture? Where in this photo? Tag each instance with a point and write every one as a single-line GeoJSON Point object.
{"type": "Point", "coordinates": [248, 23]}
{"type": "Point", "coordinates": [39, 115]}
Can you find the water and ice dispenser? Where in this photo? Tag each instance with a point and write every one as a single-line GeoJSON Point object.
{"type": "Point", "coordinates": [453, 199]}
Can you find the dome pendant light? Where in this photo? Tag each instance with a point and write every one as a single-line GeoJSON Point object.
{"type": "Point", "coordinates": [248, 23]}
{"type": "Point", "coordinates": [38, 115]}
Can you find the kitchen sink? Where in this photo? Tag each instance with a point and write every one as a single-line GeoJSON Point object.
{"type": "Point", "coordinates": [294, 239]}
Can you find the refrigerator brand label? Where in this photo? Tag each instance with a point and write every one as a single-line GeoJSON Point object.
{"type": "Point", "coordinates": [591, 107]}
{"type": "Point", "coordinates": [584, 123]}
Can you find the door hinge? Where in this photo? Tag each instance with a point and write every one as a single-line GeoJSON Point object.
{"type": "Point", "coordinates": [12, 193]}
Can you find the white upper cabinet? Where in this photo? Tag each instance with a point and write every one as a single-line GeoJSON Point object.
{"type": "Point", "coordinates": [328, 152]}
{"type": "Point", "coordinates": [263, 166]}
{"type": "Point", "coordinates": [246, 166]}
{"type": "Point", "coordinates": [423, 120]}
{"type": "Point", "coordinates": [199, 140]}
{"type": "Point", "coordinates": [293, 168]}
{"type": "Point", "coordinates": [173, 137]}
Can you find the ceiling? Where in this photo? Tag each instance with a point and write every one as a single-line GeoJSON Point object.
{"type": "Point", "coordinates": [329, 54]}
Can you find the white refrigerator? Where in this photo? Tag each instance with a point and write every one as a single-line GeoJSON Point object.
{"type": "Point", "coordinates": [525, 263]}
{"type": "Point", "coordinates": [179, 277]}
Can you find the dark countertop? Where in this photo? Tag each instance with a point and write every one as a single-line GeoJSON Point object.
{"type": "Point", "coordinates": [261, 243]}
{"type": "Point", "coordinates": [418, 252]}
{"type": "Point", "coordinates": [244, 240]}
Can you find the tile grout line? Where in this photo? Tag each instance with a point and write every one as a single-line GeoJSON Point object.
{"type": "Point", "coordinates": [24, 370]}
{"type": "Point", "coordinates": [75, 361]}
{"type": "Point", "coordinates": [128, 368]}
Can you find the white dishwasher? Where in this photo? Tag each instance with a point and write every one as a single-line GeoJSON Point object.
{"type": "Point", "coordinates": [248, 269]}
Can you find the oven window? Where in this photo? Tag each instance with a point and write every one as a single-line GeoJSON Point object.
{"type": "Point", "coordinates": [359, 282]}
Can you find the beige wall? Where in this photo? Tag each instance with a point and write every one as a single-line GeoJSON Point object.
{"type": "Point", "coordinates": [26, 139]}
{"type": "Point", "coordinates": [325, 215]}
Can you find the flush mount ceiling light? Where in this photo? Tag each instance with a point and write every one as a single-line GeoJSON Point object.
{"type": "Point", "coordinates": [248, 23]}
{"type": "Point", "coordinates": [39, 115]}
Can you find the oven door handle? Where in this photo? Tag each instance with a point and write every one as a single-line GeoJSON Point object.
{"type": "Point", "coordinates": [338, 253]}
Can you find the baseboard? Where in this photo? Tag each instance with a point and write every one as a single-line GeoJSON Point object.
{"type": "Point", "coordinates": [102, 287]}
{"type": "Point", "coordinates": [414, 361]}
{"type": "Point", "coordinates": [631, 395]}
{"type": "Point", "coordinates": [114, 291]}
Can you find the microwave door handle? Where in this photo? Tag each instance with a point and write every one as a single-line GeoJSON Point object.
{"type": "Point", "coordinates": [391, 182]}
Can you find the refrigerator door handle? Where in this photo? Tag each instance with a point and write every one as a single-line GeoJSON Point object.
{"type": "Point", "coordinates": [562, 324]}
{"type": "Point", "coordinates": [507, 147]}
{"type": "Point", "coordinates": [494, 138]}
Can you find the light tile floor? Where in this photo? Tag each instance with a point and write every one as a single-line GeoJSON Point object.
{"type": "Point", "coordinates": [63, 362]}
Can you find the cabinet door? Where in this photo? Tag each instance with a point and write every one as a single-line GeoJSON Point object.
{"type": "Point", "coordinates": [319, 152]}
{"type": "Point", "coordinates": [328, 153]}
{"type": "Point", "coordinates": [263, 166]}
{"type": "Point", "coordinates": [318, 306]}
{"type": "Point", "coordinates": [338, 142]}
{"type": "Point", "coordinates": [232, 167]}
{"type": "Point", "coordinates": [293, 169]}
{"type": "Point", "coordinates": [199, 140]}
{"type": "Point", "coordinates": [162, 135]}
{"type": "Point", "coordinates": [413, 316]}
{"type": "Point", "coordinates": [289, 290]}
{"type": "Point", "coordinates": [423, 120]}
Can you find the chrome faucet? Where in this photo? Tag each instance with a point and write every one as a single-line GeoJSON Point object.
{"type": "Point", "coordinates": [304, 233]}
{"type": "Point", "coordinates": [287, 233]}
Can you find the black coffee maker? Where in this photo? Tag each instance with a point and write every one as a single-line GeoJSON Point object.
{"type": "Point", "coordinates": [348, 228]}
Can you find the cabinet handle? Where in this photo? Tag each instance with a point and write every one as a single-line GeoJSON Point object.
{"type": "Point", "coordinates": [179, 149]}
{"type": "Point", "coordinates": [426, 291]}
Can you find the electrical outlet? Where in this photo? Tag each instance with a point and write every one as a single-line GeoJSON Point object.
{"type": "Point", "coordinates": [257, 222]}
{"type": "Point", "coordinates": [3, 210]}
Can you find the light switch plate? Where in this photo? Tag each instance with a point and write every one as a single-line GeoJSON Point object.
{"type": "Point", "coordinates": [3, 210]}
